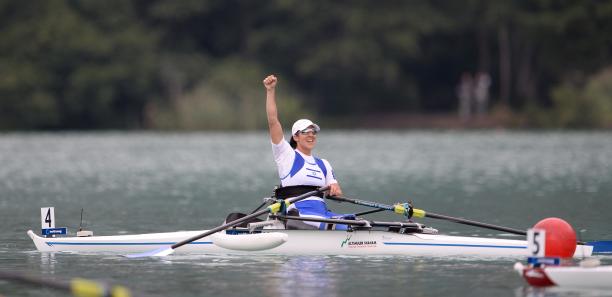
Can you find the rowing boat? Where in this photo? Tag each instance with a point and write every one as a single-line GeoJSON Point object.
{"type": "Point", "coordinates": [583, 276]}
{"type": "Point", "coordinates": [551, 267]}
{"type": "Point", "coordinates": [278, 237]}
{"type": "Point", "coordinates": [300, 242]}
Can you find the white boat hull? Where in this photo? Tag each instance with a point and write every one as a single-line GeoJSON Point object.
{"type": "Point", "coordinates": [302, 242]}
{"type": "Point", "coordinates": [581, 277]}
{"type": "Point", "coordinates": [597, 277]}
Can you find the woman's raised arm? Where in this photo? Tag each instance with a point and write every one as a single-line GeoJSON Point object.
{"type": "Point", "coordinates": [276, 130]}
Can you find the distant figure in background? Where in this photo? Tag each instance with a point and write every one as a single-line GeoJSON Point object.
{"type": "Point", "coordinates": [481, 92]}
{"type": "Point", "coordinates": [465, 93]}
{"type": "Point", "coordinates": [299, 171]}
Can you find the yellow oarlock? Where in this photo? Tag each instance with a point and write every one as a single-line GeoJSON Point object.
{"type": "Point", "coordinates": [418, 213]}
{"type": "Point", "coordinates": [120, 291]}
{"type": "Point", "coordinates": [399, 208]}
{"type": "Point", "coordinates": [86, 288]}
{"type": "Point", "coordinates": [276, 207]}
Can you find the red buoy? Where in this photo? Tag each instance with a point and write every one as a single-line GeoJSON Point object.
{"type": "Point", "coordinates": [560, 237]}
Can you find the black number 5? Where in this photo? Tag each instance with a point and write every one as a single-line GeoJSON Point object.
{"type": "Point", "coordinates": [536, 243]}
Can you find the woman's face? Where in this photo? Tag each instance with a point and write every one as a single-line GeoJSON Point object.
{"type": "Point", "coordinates": [306, 139]}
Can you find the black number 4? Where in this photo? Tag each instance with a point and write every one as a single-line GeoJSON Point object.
{"type": "Point", "coordinates": [48, 217]}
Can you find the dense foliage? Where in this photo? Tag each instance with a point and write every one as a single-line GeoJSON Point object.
{"type": "Point", "coordinates": [191, 64]}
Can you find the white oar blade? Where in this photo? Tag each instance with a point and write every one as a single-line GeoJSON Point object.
{"type": "Point", "coordinates": [161, 252]}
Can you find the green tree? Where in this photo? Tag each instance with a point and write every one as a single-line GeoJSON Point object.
{"type": "Point", "coordinates": [83, 64]}
{"type": "Point", "coordinates": [230, 95]}
{"type": "Point", "coordinates": [74, 64]}
{"type": "Point", "coordinates": [585, 104]}
{"type": "Point", "coordinates": [353, 57]}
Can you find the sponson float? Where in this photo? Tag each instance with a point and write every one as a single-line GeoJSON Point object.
{"type": "Point", "coordinates": [273, 237]}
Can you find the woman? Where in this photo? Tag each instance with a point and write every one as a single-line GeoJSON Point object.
{"type": "Point", "coordinates": [299, 171]}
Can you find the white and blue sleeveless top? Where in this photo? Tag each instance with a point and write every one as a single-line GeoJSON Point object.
{"type": "Point", "coordinates": [298, 169]}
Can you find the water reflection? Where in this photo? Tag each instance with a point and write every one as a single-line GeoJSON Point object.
{"type": "Point", "coordinates": [47, 263]}
{"type": "Point", "coordinates": [303, 276]}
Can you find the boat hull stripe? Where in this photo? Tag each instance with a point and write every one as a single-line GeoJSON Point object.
{"type": "Point", "coordinates": [457, 245]}
{"type": "Point", "coordinates": [51, 243]}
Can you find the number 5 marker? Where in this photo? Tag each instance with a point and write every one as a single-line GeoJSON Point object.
{"type": "Point", "coordinates": [536, 242]}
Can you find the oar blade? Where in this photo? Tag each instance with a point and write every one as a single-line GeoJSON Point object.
{"type": "Point", "coordinates": [161, 252]}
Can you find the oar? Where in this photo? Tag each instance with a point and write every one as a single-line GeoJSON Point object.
{"type": "Point", "coordinates": [270, 209]}
{"type": "Point", "coordinates": [601, 247]}
{"type": "Point", "coordinates": [363, 213]}
{"type": "Point", "coordinates": [419, 213]}
{"type": "Point", "coordinates": [77, 286]}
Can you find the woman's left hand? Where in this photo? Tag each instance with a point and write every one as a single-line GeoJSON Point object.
{"type": "Point", "coordinates": [335, 190]}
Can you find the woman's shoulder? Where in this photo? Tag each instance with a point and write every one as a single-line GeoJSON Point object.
{"type": "Point", "coordinates": [282, 146]}
{"type": "Point", "coordinates": [322, 160]}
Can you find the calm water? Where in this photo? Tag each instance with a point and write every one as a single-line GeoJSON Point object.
{"type": "Point", "coordinates": [148, 182]}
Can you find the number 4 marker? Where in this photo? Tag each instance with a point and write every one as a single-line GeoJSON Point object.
{"type": "Point", "coordinates": [47, 217]}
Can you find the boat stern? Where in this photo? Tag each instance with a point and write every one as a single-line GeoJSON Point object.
{"type": "Point", "coordinates": [583, 250]}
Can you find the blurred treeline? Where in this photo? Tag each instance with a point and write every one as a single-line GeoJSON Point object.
{"type": "Point", "coordinates": [193, 64]}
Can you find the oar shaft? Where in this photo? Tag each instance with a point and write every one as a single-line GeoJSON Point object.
{"type": "Point", "coordinates": [246, 218]}
{"type": "Point", "coordinates": [76, 286]}
{"type": "Point", "coordinates": [394, 224]}
{"type": "Point", "coordinates": [26, 279]}
{"type": "Point", "coordinates": [421, 213]}
{"type": "Point", "coordinates": [362, 202]}
{"type": "Point", "coordinates": [473, 223]}
{"type": "Point", "coordinates": [219, 228]}
{"type": "Point", "coordinates": [363, 213]}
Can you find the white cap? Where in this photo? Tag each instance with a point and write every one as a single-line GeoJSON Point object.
{"type": "Point", "coordinates": [302, 124]}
